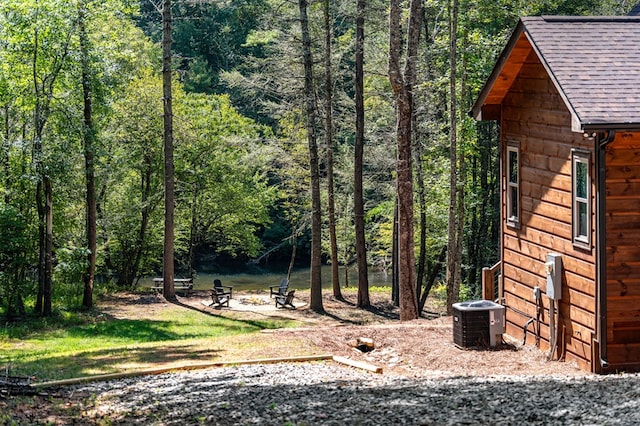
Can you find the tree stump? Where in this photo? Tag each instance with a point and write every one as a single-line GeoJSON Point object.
{"type": "Point", "coordinates": [365, 344]}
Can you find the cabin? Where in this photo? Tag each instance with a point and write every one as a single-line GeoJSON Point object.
{"type": "Point", "coordinates": [566, 94]}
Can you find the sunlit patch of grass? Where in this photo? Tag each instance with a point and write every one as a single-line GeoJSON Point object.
{"type": "Point", "coordinates": [380, 289]}
{"type": "Point", "coordinates": [77, 344]}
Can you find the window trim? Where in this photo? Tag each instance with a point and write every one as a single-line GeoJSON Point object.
{"type": "Point", "coordinates": [579, 156]}
{"type": "Point", "coordinates": [512, 215]}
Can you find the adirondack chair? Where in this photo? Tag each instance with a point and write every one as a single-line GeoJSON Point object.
{"type": "Point", "coordinates": [279, 290]}
{"type": "Point", "coordinates": [285, 301]}
{"type": "Point", "coordinates": [219, 300]}
{"type": "Point", "coordinates": [221, 289]}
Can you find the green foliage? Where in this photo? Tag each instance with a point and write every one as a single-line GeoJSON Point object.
{"type": "Point", "coordinates": [223, 196]}
{"type": "Point", "coordinates": [68, 273]}
{"type": "Point", "coordinates": [15, 248]}
{"type": "Point", "coordinates": [241, 157]}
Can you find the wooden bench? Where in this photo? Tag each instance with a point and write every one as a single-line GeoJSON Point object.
{"type": "Point", "coordinates": [179, 284]}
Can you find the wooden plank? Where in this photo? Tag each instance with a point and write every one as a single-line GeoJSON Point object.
{"type": "Point", "coordinates": [622, 157]}
{"type": "Point", "coordinates": [543, 208]}
{"type": "Point", "coordinates": [622, 271]}
{"type": "Point", "coordinates": [545, 193]}
{"type": "Point", "coordinates": [620, 221]}
{"type": "Point", "coordinates": [532, 115]}
{"type": "Point", "coordinates": [623, 204]}
{"type": "Point", "coordinates": [546, 178]}
{"type": "Point", "coordinates": [620, 355]}
{"type": "Point", "coordinates": [624, 188]}
{"type": "Point", "coordinates": [543, 161]}
{"type": "Point", "coordinates": [623, 141]}
{"type": "Point", "coordinates": [577, 291]}
{"type": "Point", "coordinates": [521, 275]}
{"type": "Point", "coordinates": [547, 241]}
{"type": "Point", "coordinates": [177, 367]}
{"type": "Point", "coordinates": [523, 132]}
{"type": "Point", "coordinates": [558, 228]}
{"type": "Point", "coordinates": [623, 308]}
{"type": "Point", "coordinates": [624, 287]}
{"type": "Point", "coordinates": [488, 287]}
{"type": "Point", "coordinates": [535, 132]}
{"type": "Point", "coordinates": [357, 364]}
{"type": "Point", "coordinates": [621, 253]}
{"type": "Point", "coordinates": [525, 100]}
{"type": "Point", "coordinates": [621, 172]}
{"type": "Point", "coordinates": [627, 331]}
{"type": "Point", "coordinates": [575, 265]}
{"type": "Point", "coordinates": [518, 297]}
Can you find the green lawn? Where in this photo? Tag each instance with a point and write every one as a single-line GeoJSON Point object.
{"type": "Point", "coordinates": [75, 345]}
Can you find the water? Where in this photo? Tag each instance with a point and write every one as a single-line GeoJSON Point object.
{"type": "Point", "coordinates": [299, 279]}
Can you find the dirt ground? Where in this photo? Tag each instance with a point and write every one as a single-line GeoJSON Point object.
{"type": "Point", "coordinates": [418, 348]}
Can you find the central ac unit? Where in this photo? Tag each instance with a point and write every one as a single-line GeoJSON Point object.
{"type": "Point", "coordinates": [478, 323]}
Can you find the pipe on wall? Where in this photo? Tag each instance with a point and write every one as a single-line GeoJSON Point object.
{"type": "Point", "coordinates": [601, 257]}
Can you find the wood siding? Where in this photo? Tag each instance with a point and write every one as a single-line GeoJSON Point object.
{"type": "Point", "coordinates": [623, 251]}
{"type": "Point", "coordinates": [534, 115]}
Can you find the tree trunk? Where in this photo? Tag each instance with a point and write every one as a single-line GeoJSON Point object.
{"type": "Point", "coordinates": [433, 274]}
{"type": "Point", "coordinates": [194, 240]}
{"type": "Point", "coordinates": [358, 198]}
{"type": "Point", "coordinates": [39, 305]}
{"type": "Point", "coordinates": [316, 216]}
{"type": "Point", "coordinates": [462, 164]}
{"type": "Point", "coordinates": [89, 141]}
{"type": "Point", "coordinates": [294, 248]}
{"type": "Point", "coordinates": [44, 195]}
{"type": "Point", "coordinates": [402, 85]}
{"type": "Point", "coordinates": [333, 239]}
{"type": "Point", "coordinates": [5, 150]}
{"type": "Point", "coordinates": [395, 278]}
{"type": "Point", "coordinates": [422, 204]}
{"type": "Point", "coordinates": [453, 282]}
{"type": "Point", "coordinates": [48, 248]}
{"type": "Point", "coordinates": [168, 266]}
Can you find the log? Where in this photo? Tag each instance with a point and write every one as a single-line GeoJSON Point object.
{"type": "Point", "coordinates": [357, 364]}
{"type": "Point", "coordinates": [135, 373]}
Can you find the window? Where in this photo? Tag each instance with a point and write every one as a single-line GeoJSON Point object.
{"type": "Point", "coordinates": [581, 197]}
{"type": "Point", "coordinates": [513, 185]}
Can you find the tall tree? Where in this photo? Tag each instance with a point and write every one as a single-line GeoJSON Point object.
{"type": "Point", "coordinates": [88, 134]}
{"type": "Point", "coordinates": [328, 111]}
{"type": "Point", "coordinates": [454, 248]}
{"type": "Point", "coordinates": [316, 216]}
{"type": "Point", "coordinates": [169, 204]}
{"type": "Point", "coordinates": [46, 68]}
{"type": "Point", "coordinates": [358, 197]}
{"type": "Point", "coordinates": [402, 85]}
{"type": "Point", "coordinates": [131, 193]}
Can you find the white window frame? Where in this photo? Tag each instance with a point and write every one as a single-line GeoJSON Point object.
{"type": "Point", "coordinates": [512, 187]}
{"type": "Point", "coordinates": [581, 199]}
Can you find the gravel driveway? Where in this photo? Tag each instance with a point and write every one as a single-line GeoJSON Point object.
{"type": "Point", "coordinates": [330, 394]}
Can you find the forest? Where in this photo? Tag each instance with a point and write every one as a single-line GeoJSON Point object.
{"type": "Point", "coordinates": [254, 82]}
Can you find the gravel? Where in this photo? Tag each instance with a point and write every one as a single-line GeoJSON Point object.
{"type": "Point", "coordinates": [325, 393]}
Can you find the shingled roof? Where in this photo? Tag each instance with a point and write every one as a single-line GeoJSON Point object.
{"type": "Point", "coordinates": [594, 62]}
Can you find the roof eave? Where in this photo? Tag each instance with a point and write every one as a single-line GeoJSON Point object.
{"type": "Point", "coordinates": [476, 110]}
{"type": "Point", "coordinates": [594, 127]}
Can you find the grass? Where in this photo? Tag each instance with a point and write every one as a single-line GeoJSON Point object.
{"type": "Point", "coordinates": [73, 344]}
